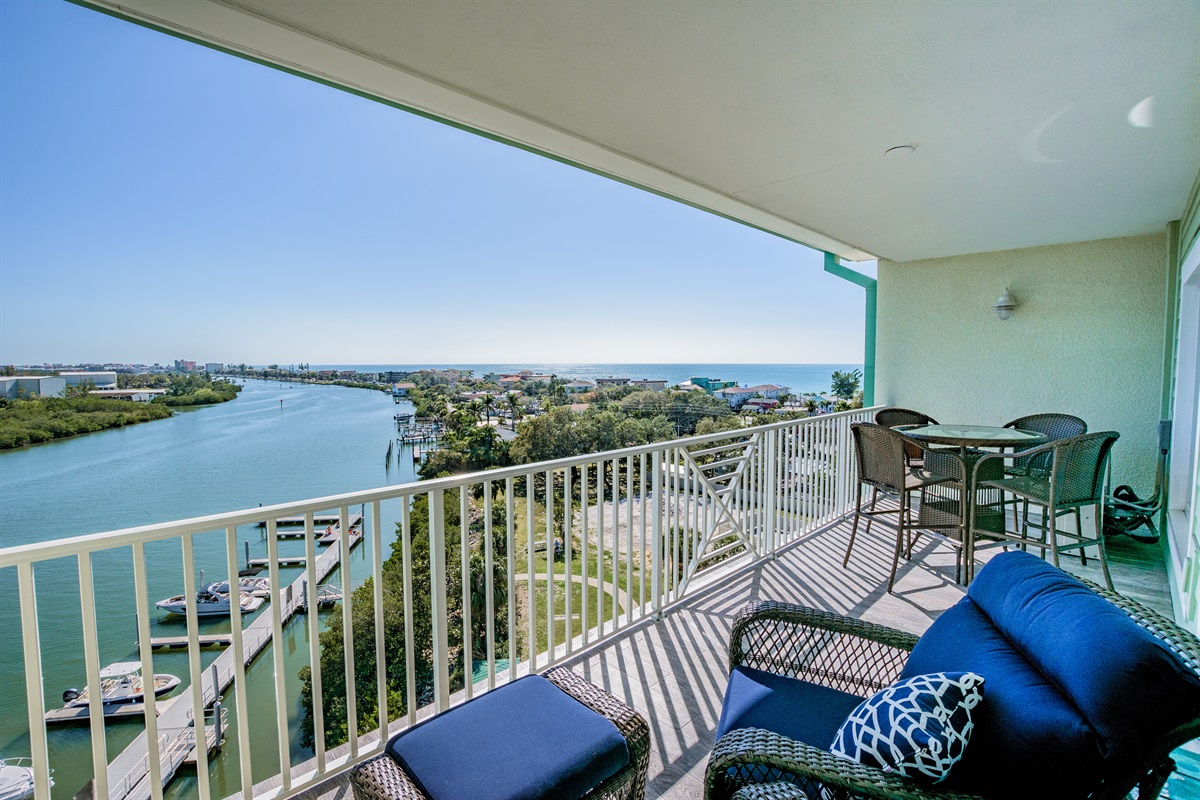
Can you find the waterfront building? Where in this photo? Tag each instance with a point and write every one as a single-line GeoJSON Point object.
{"type": "Point", "coordinates": [649, 385]}
{"type": "Point", "coordinates": [709, 385]}
{"type": "Point", "coordinates": [736, 396]}
{"type": "Point", "coordinates": [578, 387]}
{"type": "Point", "coordinates": [106, 379]}
{"type": "Point", "coordinates": [15, 386]}
{"type": "Point", "coordinates": [601, 382]}
{"type": "Point", "coordinates": [213, 367]}
{"type": "Point", "coordinates": [402, 388]}
{"type": "Point", "coordinates": [185, 366]}
{"type": "Point", "coordinates": [134, 395]}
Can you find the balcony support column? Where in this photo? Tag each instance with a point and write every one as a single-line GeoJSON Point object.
{"type": "Point", "coordinates": [870, 285]}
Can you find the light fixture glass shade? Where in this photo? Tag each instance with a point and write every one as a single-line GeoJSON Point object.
{"type": "Point", "coordinates": [1004, 305]}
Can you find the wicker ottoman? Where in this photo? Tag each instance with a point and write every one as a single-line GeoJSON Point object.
{"type": "Point", "coordinates": [524, 739]}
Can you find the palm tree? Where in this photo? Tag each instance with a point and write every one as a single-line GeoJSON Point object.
{"type": "Point", "coordinates": [489, 402]}
{"type": "Point", "coordinates": [476, 408]}
{"type": "Point", "coordinates": [512, 397]}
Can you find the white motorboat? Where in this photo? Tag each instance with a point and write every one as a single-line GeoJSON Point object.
{"type": "Point", "coordinates": [16, 779]}
{"type": "Point", "coordinates": [210, 604]}
{"type": "Point", "coordinates": [122, 683]}
{"type": "Point", "coordinates": [247, 584]}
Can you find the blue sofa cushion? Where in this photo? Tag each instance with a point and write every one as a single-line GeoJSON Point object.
{"type": "Point", "coordinates": [527, 740]}
{"type": "Point", "coordinates": [1029, 738]}
{"type": "Point", "coordinates": [1131, 688]}
{"type": "Point", "coordinates": [793, 708]}
{"type": "Point", "coordinates": [918, 726]}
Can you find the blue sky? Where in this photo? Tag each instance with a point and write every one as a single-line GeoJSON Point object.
{"type": "Point", "coordinates": [160, 200]}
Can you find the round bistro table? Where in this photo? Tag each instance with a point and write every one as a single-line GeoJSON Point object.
{"type": "Point", "coordinates": [964, 436]}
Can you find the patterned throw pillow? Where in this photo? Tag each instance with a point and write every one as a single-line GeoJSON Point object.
{"type": "Point", "coordinates": [918, 727]}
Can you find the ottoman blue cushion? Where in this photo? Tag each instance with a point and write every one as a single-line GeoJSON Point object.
{"type": "Point", "coordinates": [527, 740]}
{"type": "Point", "coordinates": [794, 708]}
{"type": "Point", "coordinates": [1131, 688]}
{"type": "Point", "coordinates": [1029, 739]}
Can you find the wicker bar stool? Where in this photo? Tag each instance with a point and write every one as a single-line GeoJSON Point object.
{"type": "Point", "coordinates": [883, 465]}
{"type": "Point", "coordinates": [546, 736]}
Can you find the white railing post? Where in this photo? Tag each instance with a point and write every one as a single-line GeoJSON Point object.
{"type": "Point", "coordinates": [35, 698]}
{"type": "Point", "coordinates": [437, 586]}
{"type": "Point", "coordinates": [656, 538]}
{"type": "Point", "coordinates": [772, 489]}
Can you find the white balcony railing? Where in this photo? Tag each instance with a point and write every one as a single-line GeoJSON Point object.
{"type": "Point", "coordinates": [640, 528]}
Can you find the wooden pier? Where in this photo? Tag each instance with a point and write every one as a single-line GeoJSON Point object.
{"type": "Point", "coordinates": [318, 519]}
{"type": "Point", "coordinates": [181, 642]}
{"type": "Point", "coordinates": [128, 773]}
{"type": "Point", "coordinates": [328, 520]}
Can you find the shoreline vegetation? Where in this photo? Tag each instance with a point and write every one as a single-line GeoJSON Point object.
{"type": "Point", "coordinates": [32, 420]}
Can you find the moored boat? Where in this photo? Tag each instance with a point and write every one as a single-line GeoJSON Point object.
{"type": "Point", "coordinates": [247, 584]}
{"type": "Point", "coordinates": [210, 604]}
{"type": "Point", "coordinates": [122, 683]}
{"type": "Point", "coordinates": [16, 778]}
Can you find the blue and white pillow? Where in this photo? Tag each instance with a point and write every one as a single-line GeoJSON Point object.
{"type": "Point", "coordinates": [918, 727]}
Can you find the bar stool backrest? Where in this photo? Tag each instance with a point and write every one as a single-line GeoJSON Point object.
{"type": "Point", "coordinates": [1079, 468]}
{"type": "Point", "coordinates": [1054, 427]}
{"type": "Point", "coordinates": [891, 417]}
{"type": "Point", "coordinates": [879, 452]}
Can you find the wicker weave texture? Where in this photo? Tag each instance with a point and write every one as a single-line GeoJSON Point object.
{"type": "Point", "coordinates": [381, 778]}
{"type": "Point", "coordinates": [784, 768]}
{"type": "Point", "coordinates": [818, 646]}
{"type": "Point", "coordinates": [1054, 427]}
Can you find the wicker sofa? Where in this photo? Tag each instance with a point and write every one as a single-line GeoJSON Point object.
{"type": "Point", "coordinates": [525, 739]}
{"type": "Point", "coordinates": [1086, 693]}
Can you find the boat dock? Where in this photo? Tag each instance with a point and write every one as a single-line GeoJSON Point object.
{"type": "Point", "coordinates": [318, 519]}
{"type": "Point", "coordinates": [129, 773]}
{"type": "Point", "coordinates": [414, 434]}
{"type": "Point", "coordinates": [177, 642]}
{"type": "Point", "coordinates": [328, 520]}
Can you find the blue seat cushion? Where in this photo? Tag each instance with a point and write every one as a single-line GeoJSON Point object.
{"type": "Point", "coordinates": [1029, 738]}
{"type": "Point", "coordinates": [1131, 688]}
{"type": "Point", "coordinates": [527, 740]}
{"type": "Point", "coordinates": [793, 708]}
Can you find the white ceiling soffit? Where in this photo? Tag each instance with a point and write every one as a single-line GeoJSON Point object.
{"type": "Point", "coordinates": [1031, 123]}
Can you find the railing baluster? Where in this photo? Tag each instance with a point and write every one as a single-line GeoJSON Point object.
{"type": "Point", "coordinates": [314, 641]}
{"type": "Point", "coordinates": [343, 543]}
{"type": "Point", "coordinates": [568, 546]}
{"type": "Point", "coordinates": [628, 539]}
{"type": "Point", "coordinates": [600, 549]}
{"type": "Point", "coordinates": [550, 639]}
{"type": "Point", "coordinates": [91, 660]}
{"type": "Point", "coordinates": [616, 541]}
{"type": "Point", "coordinates": [642, 535]}
{"type": "Point", "coordinates": [439, 606]}
{"type": "Point", "coordinates": [656, 536]}
{"type": "Point", "coordinates": [195, 670]}
{"type": "Point", "coordinates": [410, 655]}
{"type": "Point", "coordinates": [464, 538]}
{"type": "Point", "coordinates": [585, 500]}
{"type": "Point", "coordinates": [35, 698]}
{"type": "Point", "coordinates": [239, 674]}
{"type": "Point", "coordinates": [510, 544]}
{"type": "Point", "coordinates": [377, 589]}
{"type": "Point", "coordinates": [530, 597]}
{"type": "Point", "coordinates": [277, 653]}
{"type": "Point", "coordinates": [145, 651]}
{"type": "Point", "coordinates": [489, 584]}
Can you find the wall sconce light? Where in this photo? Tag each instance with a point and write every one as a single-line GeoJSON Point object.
{"type": "Point", "coordinates": [1005, 305]}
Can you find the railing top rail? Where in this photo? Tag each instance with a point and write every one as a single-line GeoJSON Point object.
{"type": "Point", "coordinates": [124, 537]}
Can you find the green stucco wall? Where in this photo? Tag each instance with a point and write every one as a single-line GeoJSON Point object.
{"type": "Point", "coordinates": [1085, 340]}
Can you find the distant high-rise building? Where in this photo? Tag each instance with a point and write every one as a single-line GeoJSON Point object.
{"type": "Point", "coordinates": [185, 366]}
{"type": "Point", "coordinates": [212, 367]}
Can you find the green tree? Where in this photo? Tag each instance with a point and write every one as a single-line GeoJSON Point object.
{"type": "Point", "coordinates": [514, 408]}
{"type": "Point", "coordinates": [845, 384]}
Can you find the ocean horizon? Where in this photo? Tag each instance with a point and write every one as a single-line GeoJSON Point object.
{"type": "Point", "coordinates": [797, 377]}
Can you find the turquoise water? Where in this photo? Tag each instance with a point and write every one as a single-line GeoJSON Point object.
{"type": "Point", "coordinates": [319, 441]}
{"type": "Point", "coordinates": [275, 443]}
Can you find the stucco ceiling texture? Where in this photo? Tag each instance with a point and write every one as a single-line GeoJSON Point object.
{"type": "Point", "coordinates": [1019, 112]}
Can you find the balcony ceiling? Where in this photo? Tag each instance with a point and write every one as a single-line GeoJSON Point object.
{"type": "Point", "coordinates": [1033, 123]}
